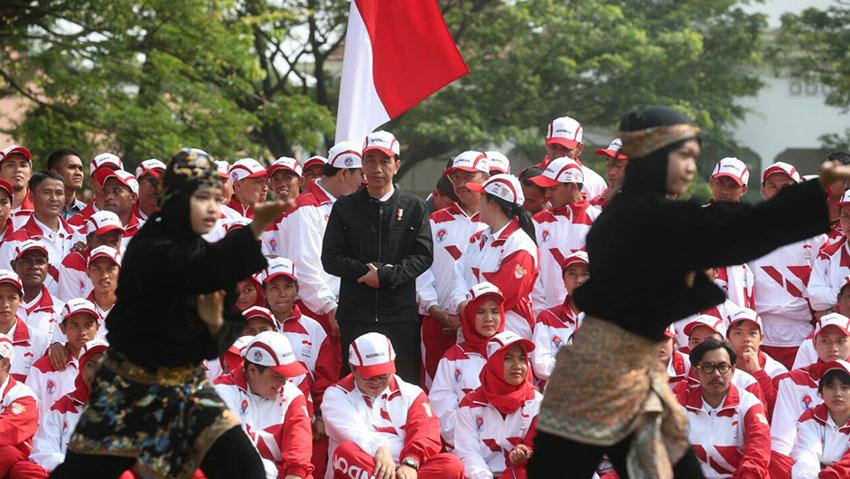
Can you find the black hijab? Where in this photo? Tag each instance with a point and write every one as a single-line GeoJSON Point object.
{"type": "Point", "coordinates": [189, 170]}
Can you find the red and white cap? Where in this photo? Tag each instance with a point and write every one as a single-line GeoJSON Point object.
{"type": "Point", "coordinates": [613, 150]}
{"type": "Point", "coordinates": [670, 332]}
{"type": "Point", "coordinates": [578, 257]}
{"type": "Point", "coordinates": [498, 162]}
{"type": "Point", "coordinates": [317, 160]}
{"type": "Point", "coordinates": [781, 167]}
{"type": "Point", "coordinates": [95, 346]}
{"type": "Point", "coordinates": [559, 170]}
{"type": "Point", "coordinates": [222, 168]}
{"type": "Point", "coordinates": [102, 222]}
{"type": "Point", "coordinates": [30, 245]}
{"type": "Point", "coordinates": [12, 279]}
{"type": "Point", "coordinates": [105, 160]}
{"type": "Point", "coordinates": [79, 305]}
{"type": "Point", "coordinates": [260, 312]}
{"type": "Point", "coordinates": [278, 267]}
{"type": "Point", "coordinates": [125, 178]}
{"type": "Point", "coordinates": [845, 199]}
{"type": "Point", "coordinates": [833, 319]}
{"type": "Point", "coordinates": [506, 187]}
{"type": "Point", "coordinates": [345, 154]}
{"type": "Point", "coordinates": [837, 365]}
{"type": "Point", "coordinates": [372, 354]}
{"type": "Point", "coordinates": [7, 350]}
{"type": "Point", "coordinates": [712, 322]}
{"type": "Point", "coordinates": [733, 168]}
{"type": "Point", "coordinates": [12, 149]}
{"type": "Point", "coordinates": [274, 351]}
{"type": "Point", "coordinates": [382, 141]}
{"type": "Point", "coordinates": [246, 168]}
{"type": "Point", "coordinates": [504, 340]}
{"type": "Point", "coordinates": [284, 163]}
{"type": "Point", "coordinates": [745, 314]}
{"type": "Point", "coordinates": [470, 161]}
{"type": "Point", "coordinates": [564, 131]}
{"type": "Point", "coordinates": [485, 289]}
{"type": "Point", "coordinates": [7, 187]}
{"type": "Point", "coordinates": [104, 251]}
{"type": "Point", "coordinates": [151, 167]}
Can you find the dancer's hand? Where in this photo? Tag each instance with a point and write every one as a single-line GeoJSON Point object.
{"type": "Point", "coordinates": [211, 310]}
{"type": "Point", "coordinates": [832, 171]}
{"type": "Point", "coordinates": [264, 214]}
{"type": "Point", "coordinates": [384, 464]}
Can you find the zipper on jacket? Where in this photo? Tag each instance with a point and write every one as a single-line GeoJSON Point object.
{"type": "Point", "coordinates": [380, 233]}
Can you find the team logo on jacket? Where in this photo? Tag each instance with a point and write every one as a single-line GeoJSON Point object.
{"type": "Point", "coordinates": [556, 340]}
{"type": "Point", "coordinates": [807, 401]}
{"type": "Point", "coordinates": [479, 421]}
{"type": "Point", "coordinates": [273, 244]}
{"type": "Point", "coordinates": [243, 408]}
{"type": "Point", "coordinates": [520, 272]}
{"type": "Point", "coordinates": [441, 235]}
{"type": "Point", "coordinates": [545, 235]}
{"type": "Point", "coordinates": [51, 386]}
{"type": "Point", "coordinates": [18, 408]}
{"type": "Point", "coordinates": [457, 375]}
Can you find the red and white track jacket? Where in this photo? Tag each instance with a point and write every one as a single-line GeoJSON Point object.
{"type": "Point", "coordinates": [58, 244]}
{"type": "Point", "coordinates": [738, 283]}
{"type": "Point", "coordinates": [400, 419]}
{"type": "Point", "coordinates": [483, 438]}
{"type": "Point", "coordinates": [79, 219]}
{"type": "Point", "coordinates": [49, 384]}
{"type": "Point", "coordinates": [130, 229]}
{"type": "Point", "coordinates": [732, 440]}
{"type": "Point", "coordinates": [18, 415]}
{"type": "Point", "coordinates": [451, 230]}
{"type": "Point", "coordinates": [54, 431]}
{"type": "Point", "coordinates": [507, 258]}
{"type": "Point", "coordinates": [678, 367]}
{"type": "Point", "coordinates": [279, 428]}
{"type": "Point", "coordinates": [312, 347]}
{"type": "Point", "coordinates": [796, 392]}
{"type": "Point", "coordinates": [740, 379]}
{"type": "Point", "coordinates": [554, 328]}
{"type": "Point", "coordinates": [560, 233]}
{"type": "Point", "coordinates": [806, 354]}
{"type": "Point", "coordinates": [457, 375]}
{"type": "Point", "coordinates": [43, 312]}
{"type": "Point", "coordinates": [29, 344]}
{"type": "Point", "coordinates": [831, 266]}
{"type": "Point", "coordinates": [74, 280]}
{"type": "Point", "coordinates": [820, 444]}
{"type": "Point", "coordinates": [781, 292]}
{"type": "Point", "coordinates": [300, 237]}
{"type": "Point", "coordinates": [235, 210]}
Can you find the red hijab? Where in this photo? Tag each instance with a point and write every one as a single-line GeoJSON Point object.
{"type": "Point", "coordinates": [506, 397]}
{"type": "Point", "coordinates": [472, 339]}
{"type": "Point", "coordinates": [81, 393]}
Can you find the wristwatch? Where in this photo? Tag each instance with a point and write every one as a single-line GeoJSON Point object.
{"type": "Point", "coordinates": [411, 462]}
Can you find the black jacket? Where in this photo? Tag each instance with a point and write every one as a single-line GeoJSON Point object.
{"type": "Point", "coordinates": [643, 248]}
{"type": "Point", "coordinates": [363, 230]}
{"type": "Point", "coordinates": [154, 321]}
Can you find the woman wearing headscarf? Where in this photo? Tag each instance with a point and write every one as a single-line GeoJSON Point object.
{"type": "Point", "coordinates": [496, 422]}
{"type": "Point", "coordinates": [152, 407]}
{"type": "Point", "coordinates": [608, 393]}
{"type": "Point", "coordinates": [458, 370]}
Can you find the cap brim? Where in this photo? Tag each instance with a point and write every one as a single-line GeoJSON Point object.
{"type": "Point", "coordinates": [376, 369]}
{"type": "Point", "coordinates": [736, 321]}
{"type": "Point", "coordinates": [290, 370]}
{"type": "Point", "coordinates": [259, 174]}
{"type": "Point", "coordinates": [386, 151]}
{"type": "Point", "coordinates": [102, 255]}
{"type": "Point", "coordinates": [476, 187]}
{"type": "Point", "coordinates": [614, 155]}
{"type": "Point", "coordinates": [313, 163]}
{"type": "Point", "coordinates": [104, 172]}
{"type": "Point", "coordinates": [571, 144]}
{"type": "Point", "coordinates": [32, 248]}
{"type": "Point", "coordinates": [90, 312]}
{"type": "Point", "coordinates": [738, 181]}
{"type": "Point", "coordinates": [20, 150]}
{"type": "Point", "coordinates": [273, 169]}
{"type": "Point", "coordinates": [467, 169]}
{"type": "Point", "coordinates": [843, 331]}
{"type": "Point", "coordinates": [572, 262]}
{"type": "Point", "coordinates": [275, 275]}
{"type": "Point", "coordinates": [155, 173]}
{"type": "Point", "coordinates": [543, 181]}
{"type": "Point", "coordinates": [690, 327]}
{"type": "Point", "coordinates": [107, 229]}
{"type": "Point", "coordinates": [17, 286]}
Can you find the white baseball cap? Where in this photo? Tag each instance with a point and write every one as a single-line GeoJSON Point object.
{"type": "Point", "coordinates": [79, 305]}
{"type": "Point", "coordinates": [107, 160]}
{"type": "Point", "coordinates": [498, 162]}
{"type": "Point", "coordinates": [732, 168]}
{"type": "Point", "coordinates": [845, 199]}
{"type": "Point", "coordinates": [372, 354]}
{"type": "Point", "coordinates": [470, 161]}
{"type": "Point", "coordinates": [345, 154]}
{"type": "Point", "coordinates": [837, 365]}
{"type": "Point", "coordinates": [102, 222]}
{"type": "Point", "coordinates": [7, 350]}
{"type": "Point", "coordinates": [485, 288]}
{"type": "Point", "coordinates": [279, 266]}
{"type": "Point", "coordinates": [260, 312]}
{"type": "Point", "coordinates": [564, 131]}
{"type": "Point", "coordinates": [222, 169]}
{"type": "Point", "coordinates": [94, 346]}
{"type": "Point", "coordinates": [382, 141]}
{"type": "Point", "coordinates": [745, 314]}
{"type": "Point", "coordinates": [12, 149]}
{"type": "Point", "coordinates": [504, 340]}
{"type": "Point", "coordinates": [105, 251]}
{"type": "Point", "coordinates": [30, 245]}
{"type": "Point", "coordinates": [578, 257]}
{"type": "Point", "coordinates": [12, 279]}
{"type": "Point", "coordinates": [246, 168]}
{"type": "Point", "coordinates": [151, 167]}
{"type": "Point", "coordinates": [125, 178]}
{"type": "Point", "coordinates": [274, 351]}
{"type": "Point", "coordinates": [506, 187]}
{"type": "Point", "coordinates": [284, 163]}
{"type": "Point", "coordinates": [781, 167]}
{"type": "Point", "coordinates": [712, 322]}
{"type": "Point", "coordinates": [560, 170]}
{"type": "Point", "coordinates": [833, 319]}
{"type": "Point", "coordinates": [316, 160]}
{"type": "Point", "coordinates": [613, 150]}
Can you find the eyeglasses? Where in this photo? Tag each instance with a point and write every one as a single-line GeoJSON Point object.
{"type": "Point", "coordinates": [709, 368]}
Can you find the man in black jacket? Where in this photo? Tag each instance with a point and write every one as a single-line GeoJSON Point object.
{"type": "Point", "coordinates": [378, 241]}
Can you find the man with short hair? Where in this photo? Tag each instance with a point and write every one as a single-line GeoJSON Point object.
{"type": "Point", "coordinates": [103, 228]}
{"type": "Point", "coordinates": [100, 162]}
{"type": "Point", "coordinates": [18, 415]}
{"type": "Point", "coordinates": [728, 181]}
{"type": "Point", "coordinates": [38, 307]}
{"type": "Point", "coordinates": [104, 266]}
{"type": "Point", "coordinates": [380, 425]}
{"type": "Point", "coordinates": [16, 168]}
{"type": "Point", "coordinates": [313, 169]}
{"type": "Point", "coordinates": [564, 138]}
{"type": "Point", "coordinates": [149, 175]}
{"type": "Point", "coordinates": [66, 163]}
{"type": "Point", "coordinates": [248, 178]}
{"type": "Point", "coordinates": [615, 171]}
{"type": "Point", "coordinates": [284, 178]}
{"type": "Point", "coordinates": [120, 192]}
{"type": "Point", "coordinates": [536, 197]}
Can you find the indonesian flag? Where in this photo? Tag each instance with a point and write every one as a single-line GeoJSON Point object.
{"type": "Point", "coordinates": [397, 53]}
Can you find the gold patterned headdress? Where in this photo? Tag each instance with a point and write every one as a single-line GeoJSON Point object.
{"type": "Point", "coordinates": [640, 143]}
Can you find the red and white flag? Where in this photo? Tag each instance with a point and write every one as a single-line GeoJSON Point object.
{"type": "Point", "coordinates": [397, 53]}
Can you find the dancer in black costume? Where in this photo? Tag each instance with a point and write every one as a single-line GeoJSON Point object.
{"type": "Point", "coordinates": [151, 407]}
